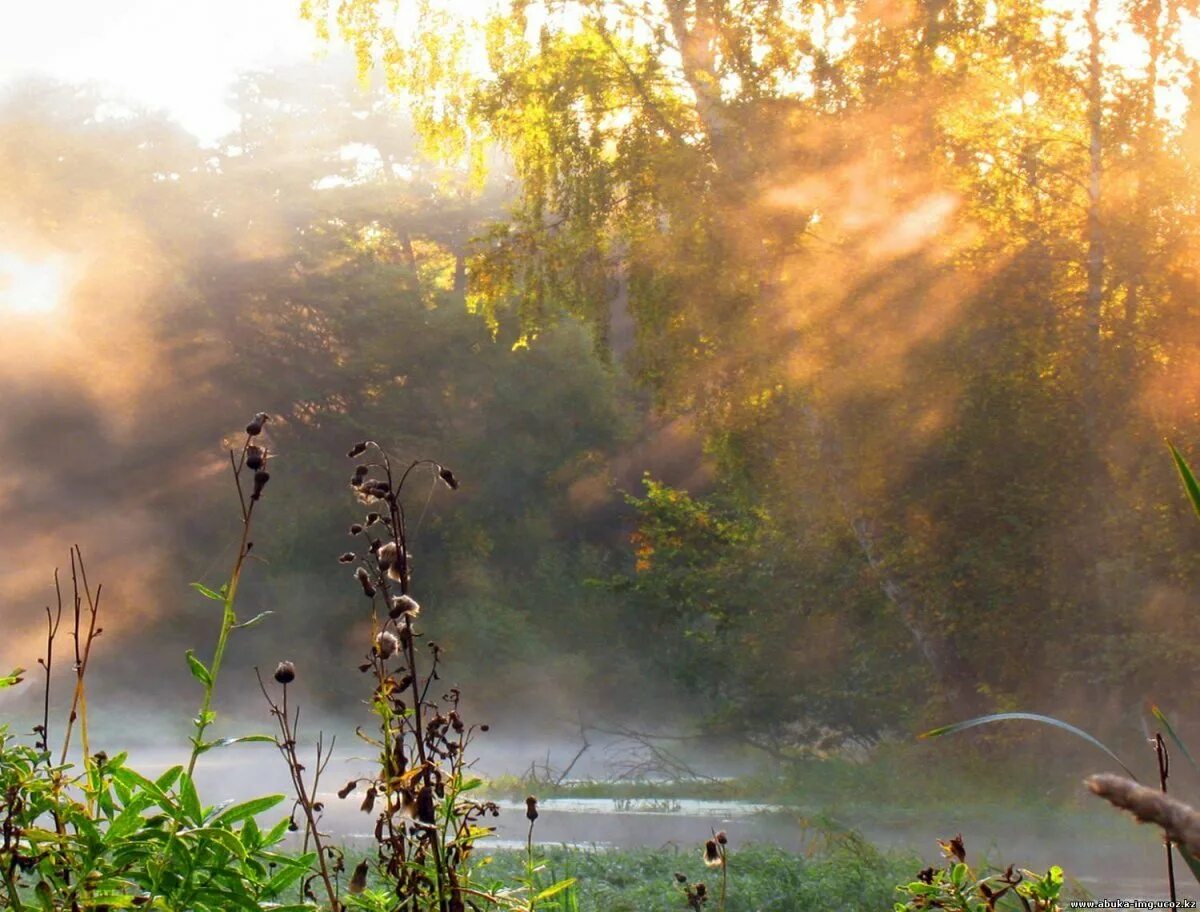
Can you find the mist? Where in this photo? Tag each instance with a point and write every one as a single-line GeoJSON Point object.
{"type": "Point", "coordinates": [785, 425]}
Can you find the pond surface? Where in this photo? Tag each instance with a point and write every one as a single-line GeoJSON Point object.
{"type": "Point", "coordinates": [1095, 849]}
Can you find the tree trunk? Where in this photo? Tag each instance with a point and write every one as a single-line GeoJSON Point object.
{"type": "Point", "coordinates": [941, 657]}
{"type": "Point", "coordinates": [1094, 295]}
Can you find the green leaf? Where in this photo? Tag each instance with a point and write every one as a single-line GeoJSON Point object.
{"type": "Point", "coordinates": [1190, 860]}
{"type": "Point", "coordinates": [242, 739]}
{"type": "Point", "coordinates": [167, 779]}
{"type": "Point", "coordinates": [1027, 717]}
{"type": "Point", "coordinates": [129, 820]}
{"type": "Point", "coordinates": [251, 834]}
{"type": "Point", "coordinates": [227, 839]}
{"type": "Point", "coordinates": [254, 621]}
{"type": "Point", "coordinates": [248, 809]}
{"type": "Point", "coordinates": [199, 670]}
{"type": "Point", "coordinates": [1189, 480]}
{"type": "Point", "coordinates": [190, 798]}
{"type": "Point", "coordinates": [554, 889]}
{"type": "Point", "coordinates": [12, 678]}
{"type": "Point", "coordinates": [138, 782]}
{"type": "Point", "coordinates": [208, 593]}
{"type": "Point", "coordinates": [292, 870]}
{"type": "Point", "coordinates": [276, 833]}
{"type": "Point", "coordinates": [1158, 714]}
{"type": "Point", "coordinates": [228, 899]}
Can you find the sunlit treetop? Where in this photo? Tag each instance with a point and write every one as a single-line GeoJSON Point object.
{"type": "Point", "coordinates": [650, 134]}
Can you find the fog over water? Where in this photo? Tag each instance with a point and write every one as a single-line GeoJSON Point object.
{"type": "Point", "coordinates": [774, 442]}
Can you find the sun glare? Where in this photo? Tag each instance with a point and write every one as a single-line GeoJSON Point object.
{"type": "Point", "coordinates": [31, 286]}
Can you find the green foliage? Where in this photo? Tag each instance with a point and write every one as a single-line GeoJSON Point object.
{"type": "Point", "coordinates": [959, 888]}
{"type": "Point", "coordinates": [856, 251]}
{"type": "Point", "coordinates": [848, 875]}
{"type": "Point", "coordinates": [99, 834]}
{"type": "Point", "coordinates": [105, 835]}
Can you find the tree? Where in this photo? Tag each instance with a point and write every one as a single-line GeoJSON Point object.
{"type": "Point", "coordinates": [871, 251]}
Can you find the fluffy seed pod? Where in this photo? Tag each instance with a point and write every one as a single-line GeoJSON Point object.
{"type": "Point", "coordinates": [254, 428]}
{"type": "Point", "coordinates": [357, 450]}
{"type": "Point", "coordinates": [386, 644]}
{"type": "Point", "coordinates": [448, 478]}
{"type": "Point", "coordinates": [389, 560]}
{"type": "Point", "coordinates": [531, 810]}
{"type": "Point", "coordinates": [285, 672]}
{"type": "Point", "coordinates": [356, 528]}
{"type": "Point", "coordinates": [365, 581]}
{"type": "Point", "coordinates": [404, 605]}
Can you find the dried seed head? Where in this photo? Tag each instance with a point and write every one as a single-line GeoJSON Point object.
{"type": "Point", "coordinates": [954, 848]}
{"type": "Point", "coordinates": [346, 789]}
{"type": "Point", "coordinates": [404, 605]}
{"type": "Point", "coordinates": [448, 478]}
{"type": "Point", "coordinates": [347, 558]}
{"type": "Point", "coordinates": [701, 891]}
{"type": "Point", "coordinates": [254, 428]}
{"type": "Point", "coordinates": [358, 881]}
{"type": "Point", "coordinates": [364, 580]}
{"type": "Point", "coordinates": [356, 528]}
{"type": "Point", "coordinates": [372, 518]}
{"type": "Point", "coordinates": [712, 854]}
{"type": "Point", "coordinates": [261, 477]}
{"type": "Point", "coordinates": [256, 456]}
{"type": "Point", "coordinates": [721, 838]}
{"type": "Point", "coordinates": [368, 803]}
{"type": "Point", "coordinates": [426, 811]}
{"type": "Point", "coordinates": [680, 877]}
{"type": "Point", "coordinates": [531, 810]}
{"type": "Point", "coordinates": [285, 672]}
{"type": "Point", "coordinates": [357, 450]}
{"type": "Point", "coordinates": [386, 644]}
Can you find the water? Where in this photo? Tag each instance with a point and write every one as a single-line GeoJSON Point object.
{"type": "Point", "coordinates": [1103, 854]}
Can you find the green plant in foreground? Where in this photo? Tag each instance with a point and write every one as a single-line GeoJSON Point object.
{"type": "Point", "coordinates": [99, 835]}
{"type": "Point", "coordinates": [959, 888]}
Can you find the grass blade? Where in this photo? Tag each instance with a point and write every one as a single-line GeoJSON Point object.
{"type": "Point", "coordinates": [1189, 480]}
{"type": "Point", "coordinates": [1026, 717]}
{"type": "Point", "coordinates": [1190, 860]}
{"type": "Point", "coordinates": [1158, 714]}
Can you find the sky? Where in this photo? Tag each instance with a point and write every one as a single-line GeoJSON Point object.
{"type": "Point", "coordinates": [171, 54]}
